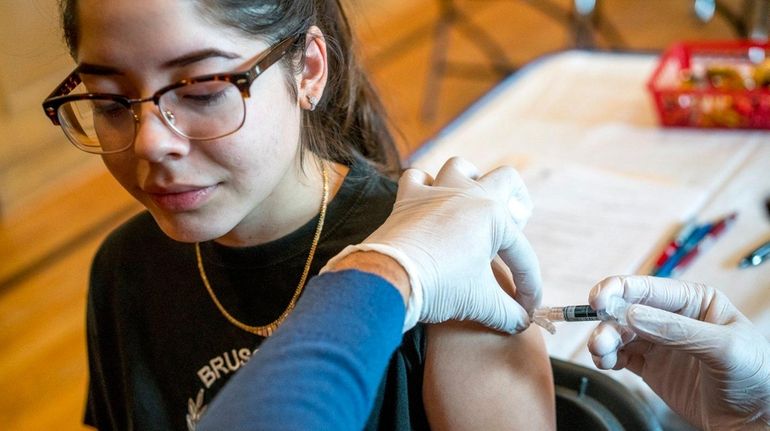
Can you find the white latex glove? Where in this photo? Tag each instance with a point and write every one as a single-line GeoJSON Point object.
{"type": "Point", "coordinates": [691, 346]}
{"type": "Point", "coordinates": [445, 233]}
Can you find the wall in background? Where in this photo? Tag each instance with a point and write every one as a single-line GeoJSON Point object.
{"type": "Point", "coordinates": [34, 155]}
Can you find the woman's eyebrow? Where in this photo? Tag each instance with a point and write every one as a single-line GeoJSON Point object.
{"type": "Point", "coordinates": [95, 69]}
{"type": "Point", "coordinates": [185, 60]}
{"type": "Point", "coordinates": [197, 56]}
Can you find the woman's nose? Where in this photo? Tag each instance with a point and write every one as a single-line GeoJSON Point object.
{"type": "Point", "coordinates": [154, 140]}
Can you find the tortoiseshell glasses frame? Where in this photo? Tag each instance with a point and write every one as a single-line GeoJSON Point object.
{"type": "Point", "coordinates": [200, 108]}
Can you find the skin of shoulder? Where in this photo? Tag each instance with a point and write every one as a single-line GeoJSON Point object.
{"type": "Point", "coordinates": [480, 379]}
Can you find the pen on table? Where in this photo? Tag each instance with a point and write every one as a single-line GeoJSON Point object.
{"type": "Point", "coordinates": [757, 256]}
{"type": "Point", "coordinates": [691, 246]}
{"type": "Point", "coordinates": [676, 242]}
{"type": "Point", "coordinates": [715, 232]}
{"type": "Point", "coordinates": [696, 236]}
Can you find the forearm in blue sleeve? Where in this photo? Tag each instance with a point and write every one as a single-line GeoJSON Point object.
{"type": "Point", "coordinates": [321, 369]}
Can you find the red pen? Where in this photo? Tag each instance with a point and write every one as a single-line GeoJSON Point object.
{"type": "Point", "coordinates": [675, 243]}
{"type": "Point", "coordinates": [715, 232]}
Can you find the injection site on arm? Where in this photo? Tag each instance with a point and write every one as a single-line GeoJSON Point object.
{"type": "Point", "coordinates": [545, 316]}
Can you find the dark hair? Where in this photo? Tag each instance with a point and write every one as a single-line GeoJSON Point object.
{"type": "Point", "coordinates": [350, 118]}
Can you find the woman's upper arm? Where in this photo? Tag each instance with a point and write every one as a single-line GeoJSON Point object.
{"type": "Point", "coordinates": [476, 378]}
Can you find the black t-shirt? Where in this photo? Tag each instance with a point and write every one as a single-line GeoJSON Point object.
{"type": "Point", "coordinates": [159, 349]}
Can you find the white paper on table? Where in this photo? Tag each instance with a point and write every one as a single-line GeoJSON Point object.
{"type": "Point", "coordinates": [588, 224]}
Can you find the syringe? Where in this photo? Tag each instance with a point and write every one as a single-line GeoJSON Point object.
{"type": "Point", "coordinates": [545, 316]}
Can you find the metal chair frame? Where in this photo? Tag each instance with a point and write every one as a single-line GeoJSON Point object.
{"type": "Point", "coordinates": [584, 20]}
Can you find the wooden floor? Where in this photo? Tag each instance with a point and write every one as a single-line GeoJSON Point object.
{"type": "Point", "coordinates": [46, 247]}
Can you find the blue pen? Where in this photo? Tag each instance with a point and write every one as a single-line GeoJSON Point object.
{"type": "Point", "coordinates": [697, 235]}
{"type": "Point", "coordinates": [675, 244]}
{"type": "Point", "coordinates": [757, 256]}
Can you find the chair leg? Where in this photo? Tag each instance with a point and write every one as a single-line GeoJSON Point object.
{"type": "Point", "coordinates": [449, 16]}
{"type": "Point", "coordinates": [495, 54]}
{"type": "Point", "coordinates": [583, 20]}
{"type": "Point", "coordinates": [757, 19]}
{"type": "Point", "coordinates": [438, 59]}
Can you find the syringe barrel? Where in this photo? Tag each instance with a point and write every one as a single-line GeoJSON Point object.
{"type": "Point", "coordinates": [579, 313]}
{"type": "Point", "coordinates": [576, 313]}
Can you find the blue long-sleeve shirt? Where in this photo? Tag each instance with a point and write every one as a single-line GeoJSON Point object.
{"type": "Point", "coordinates": [321, 369]}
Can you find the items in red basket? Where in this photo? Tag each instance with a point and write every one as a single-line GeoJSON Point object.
{"type": "Point", "coordinates": [713, 84]}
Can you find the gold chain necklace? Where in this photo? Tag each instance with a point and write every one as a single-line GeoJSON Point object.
{"type": "Point", "coordinates": [267, 330]}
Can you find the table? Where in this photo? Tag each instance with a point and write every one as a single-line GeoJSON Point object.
{"type": "Point", "coordinates": [610, 186]}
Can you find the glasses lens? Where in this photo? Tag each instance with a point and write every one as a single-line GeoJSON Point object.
{"type": "Point", "coordinates": [204, 110]}
{"type": "Point", "coordinates": [97, 125]}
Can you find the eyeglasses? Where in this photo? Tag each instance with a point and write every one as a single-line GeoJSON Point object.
{"type": "Point", "coordinates": [203, 108]}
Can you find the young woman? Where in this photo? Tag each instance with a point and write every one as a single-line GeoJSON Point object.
{"type": "Point", "coordinates": [250, 134]}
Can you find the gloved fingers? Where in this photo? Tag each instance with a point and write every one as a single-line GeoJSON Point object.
{"type": "Point", "coordinates": [665, 293]}
{"type": "Point", "coordinates": [631, 361]}
{"type": "Point", "coordinates": [675, 331]}
{"type": "Point", "coordinates": [503, 276]}
{"type": "Point", "coordinates": [605, 342]}
{"type": "Point", "coordinates": [632, 289]}
{"type": "Point", "coordinates": [516, 318]}
{"type": "Point", "coordinates": [520, 257]}
{"type": "Point", "coordinates": [506, 185]}
{"type": "Point", "coordinates": [605, 362]}
{"type": "Point", "coordinates": [609, 336]}
{"type": "Point", "coordinates": [411, 179]}
{"type": "Point", "coordinates": [633, 356]}
{"type": "Point", "coordinates": [504, 279]}
{"type": "Point", "coordinates": [615, 360]}
{"type": "Point", "coordinates": [630, 356]}
{"type": "Point", "coordinates": [499, 311]}
{"type": "Point", "coordinates": [456, 172]}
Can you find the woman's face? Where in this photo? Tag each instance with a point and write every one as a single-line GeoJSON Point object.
{"type": "Point", "coordinates": [200, 190]}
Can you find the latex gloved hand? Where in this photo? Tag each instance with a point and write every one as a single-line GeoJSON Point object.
{"type": "Point", "coordinates": [445, 234]}
{"type": "Point", "coordinates": [691, 346]}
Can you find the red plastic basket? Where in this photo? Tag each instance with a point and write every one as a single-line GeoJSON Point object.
{"type": "Point", "coordinates": [687, 94]}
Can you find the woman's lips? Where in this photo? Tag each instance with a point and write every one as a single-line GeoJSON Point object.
{"type": "Point", "coordinates": [180, 201]}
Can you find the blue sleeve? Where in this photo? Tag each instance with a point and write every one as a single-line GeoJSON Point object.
{"type": "Point", "coordinates": [321, 369]}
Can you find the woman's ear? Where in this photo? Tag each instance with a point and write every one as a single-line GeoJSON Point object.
{"type": "Point", "coordinates": [312, 81]}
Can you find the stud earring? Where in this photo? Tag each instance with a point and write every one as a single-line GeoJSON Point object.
{"type": "Point", "coordinates": [313, 101]}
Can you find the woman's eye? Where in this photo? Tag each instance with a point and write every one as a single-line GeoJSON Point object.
{"type": "Point", "coordinates": [205, 99]}
{"type": "Point", "coordinates": [109, 109]}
